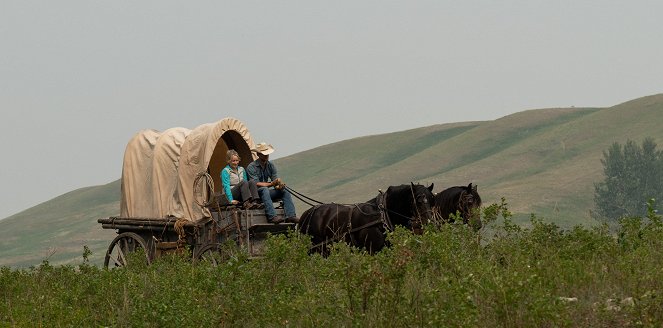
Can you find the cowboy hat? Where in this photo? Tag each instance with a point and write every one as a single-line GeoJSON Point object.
{"type": "Point", "coordinates": [263, 148]}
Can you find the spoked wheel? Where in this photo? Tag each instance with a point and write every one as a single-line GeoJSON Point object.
{"type": "Point", "coordinates": [126, 243]}
{"type": "Point", "coordinates": [208, 254]}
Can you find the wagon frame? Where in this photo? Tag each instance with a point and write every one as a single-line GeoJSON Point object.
{"type": "Point", "coordinates": [160, 211]}
{"type": "Point", "coordinates": [159, 236]}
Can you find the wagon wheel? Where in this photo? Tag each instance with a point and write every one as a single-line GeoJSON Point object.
{"type": "Point", "coordinates": [208, 254]}
{"type": "Point", "coordinates": [123, 245]}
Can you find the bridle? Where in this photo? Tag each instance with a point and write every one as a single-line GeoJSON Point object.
{"type": "Point", "coordinates": [463, 204]}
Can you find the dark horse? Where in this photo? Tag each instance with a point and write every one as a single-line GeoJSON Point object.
{"type": "Point", "coordinates": [364, 225]}
{"type": "Point", "coordinates": [461, 201]}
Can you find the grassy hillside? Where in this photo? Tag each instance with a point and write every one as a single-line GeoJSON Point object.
{"type": "Point", "coordinates": [59, 228]}
{"type": "Point", "coordinates": [543, 161]}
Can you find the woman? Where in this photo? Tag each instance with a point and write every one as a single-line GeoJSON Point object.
{"type": "Point", "coordinates": [235, 184]}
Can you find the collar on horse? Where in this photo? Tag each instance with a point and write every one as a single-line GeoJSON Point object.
{"type": "Point", "coordinates": [384, 212]}
{"type": "Point", "coordinates": [417, 226]}
{"type": "Point", "coordinates": [384, 216]}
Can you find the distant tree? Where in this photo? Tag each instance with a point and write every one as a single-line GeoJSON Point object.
{"type": "Point", "coordinates": [633, 175]}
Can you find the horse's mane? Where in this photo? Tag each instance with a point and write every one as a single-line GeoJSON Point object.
{"type": "Point", "coordinates": [391, 190]}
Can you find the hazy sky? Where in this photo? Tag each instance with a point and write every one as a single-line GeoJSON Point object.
{"type": "Point", "coordinates": [79, 78]}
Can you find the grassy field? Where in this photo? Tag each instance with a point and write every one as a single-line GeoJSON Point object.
{"type": "Point", "coordinates": [542, 161]}
{"type": "Point", "coordinates": [541, 276]}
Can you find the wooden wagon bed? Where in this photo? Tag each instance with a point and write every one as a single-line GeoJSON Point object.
{"type": "Point", "coordinates": [157, 236]}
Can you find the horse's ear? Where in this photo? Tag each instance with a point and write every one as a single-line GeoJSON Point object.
{"type": "Point", "coordinates": [469, 186]}
{"type": "Point", "coordinates": [431, 187]}
{"type": "Point", "coordinates": [474, 188]}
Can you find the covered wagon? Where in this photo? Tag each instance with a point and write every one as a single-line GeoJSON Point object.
{"type": "Point", "coordinates": [172, 196]}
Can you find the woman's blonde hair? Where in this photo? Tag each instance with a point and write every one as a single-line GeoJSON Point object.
{"type": "Point", "coordinates": [230, 153]}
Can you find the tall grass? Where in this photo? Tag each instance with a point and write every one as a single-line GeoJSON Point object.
{"type": "Point", "coordinates": [450, 276]}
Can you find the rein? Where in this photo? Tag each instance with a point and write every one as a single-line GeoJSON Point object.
{"type": "Point", "coordinates": [381, 200]}
{"type": "Point", "coordinates": [302, 197]}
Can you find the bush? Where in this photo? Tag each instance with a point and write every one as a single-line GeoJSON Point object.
{"type": "Point", "coordinates": [450, 276]}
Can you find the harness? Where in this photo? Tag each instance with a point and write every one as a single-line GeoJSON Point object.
{"type": "Point", "coordinates": [417, 225]}
{"type": "Point", "coordinates": [384, 219]}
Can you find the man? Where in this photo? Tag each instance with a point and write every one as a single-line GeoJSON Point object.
{"type": "Point", "coordinates": [269, 185]}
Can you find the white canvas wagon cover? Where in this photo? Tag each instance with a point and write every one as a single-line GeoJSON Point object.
{"type": "Point", "coordinates": [160, 168]}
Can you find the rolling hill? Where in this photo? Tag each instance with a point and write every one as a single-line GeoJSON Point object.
{"type": "Point", "coordinates": [543, 161]}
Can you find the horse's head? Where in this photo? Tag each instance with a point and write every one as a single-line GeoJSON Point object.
{"type": "Point", "coordinates": [470, 204]}
{"type": "Point", "coordinates": [409, 205]}
{"type": "Point", "coordinates": [422, 200]}
{"type": "Point", "coordinates": [462, 200]}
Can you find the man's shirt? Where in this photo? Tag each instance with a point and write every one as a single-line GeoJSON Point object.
{"type": "Point", "coordinates": [259, 174]}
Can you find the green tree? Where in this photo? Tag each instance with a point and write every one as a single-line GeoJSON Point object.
{"type": "Point", "coordinates": [633, 175]}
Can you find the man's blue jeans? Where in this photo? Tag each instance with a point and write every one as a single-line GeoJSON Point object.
{"type": "Point", "coordinates": [268, 195]}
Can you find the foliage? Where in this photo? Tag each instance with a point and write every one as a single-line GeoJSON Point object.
{"type": "Point", "coordinates": [633, 175]}
{"type": "Point", "coordinates": [450, 276]}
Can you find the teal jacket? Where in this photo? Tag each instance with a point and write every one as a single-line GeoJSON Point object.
{"type": "Point", "coordinates": [230, 178]}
